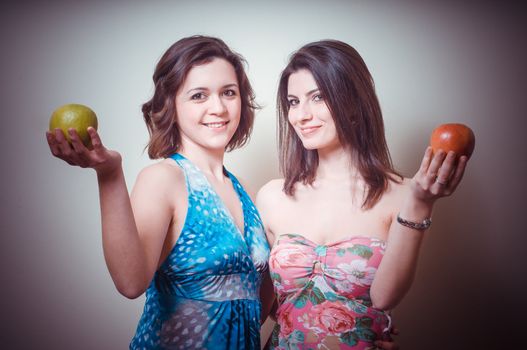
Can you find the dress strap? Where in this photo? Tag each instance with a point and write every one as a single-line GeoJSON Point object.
{"type": "Point", "coordinates": [196, 185]}
{"type": "Point", "coordinates": [237, 187]}
{"type": "Point", "coordinates": [247, 203]}
{"type": "Point", "coordinates": [195, 179]}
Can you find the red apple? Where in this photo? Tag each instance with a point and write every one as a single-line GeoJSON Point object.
{"type": "Point", "coordinates": [453, 137]}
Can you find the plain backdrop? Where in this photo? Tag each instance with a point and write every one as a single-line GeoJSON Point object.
{"type": "Point", "coordinates": [432, 62]}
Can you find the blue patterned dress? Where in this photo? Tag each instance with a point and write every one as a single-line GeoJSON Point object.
{"type": "Point", "coordinates": [205, 295]}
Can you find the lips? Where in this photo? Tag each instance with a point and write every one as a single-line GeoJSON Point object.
{"type": "Point", "coordinates": [215, 125]}
{"type": "Point", "coordinates": [308, 130]}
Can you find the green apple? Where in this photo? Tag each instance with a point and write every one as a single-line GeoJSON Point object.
{"type": "Point", "coordinates": [76, 116]}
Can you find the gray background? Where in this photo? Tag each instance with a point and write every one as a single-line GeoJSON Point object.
{"type": "Point", "coordinates": [432, 62]}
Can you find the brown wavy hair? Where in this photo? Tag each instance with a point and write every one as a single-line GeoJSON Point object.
{"type": "Point", "coordinates": [349, 92]}
{"type": "Point", "coordinates": [160, 111]}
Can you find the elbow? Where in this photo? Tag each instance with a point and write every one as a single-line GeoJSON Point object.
{"type": "Point", "coordinates": [131, 295]}
{"type": "Point", "coordinates": [387, 296]}
{"type": "Point", "coordinates": [383, 302]}
{"type": "Point", "coordinates": [384, 305]}
{"type": "Point", "coordinates": [130, 291]}
{"type": "Point", "coordinates": [130, 285]}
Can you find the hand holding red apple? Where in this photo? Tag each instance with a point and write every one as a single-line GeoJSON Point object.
{"type": "Point", "coordinates": [438, 176]}
{"type": "Point", "coordinates": [444, 163]}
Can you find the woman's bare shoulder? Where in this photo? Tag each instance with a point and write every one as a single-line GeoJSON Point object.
{"type": "Point", "coordinates": [162, 169]}
{"type": "Point", "coordinates": [162, 176]}
{"type": "Point", "coordinates": [270, 194]}
{"type": "Point", "coordinates": [275, 184]}
{"type": "Point", "coordinates": [271, 189]}
{"type": "Point", "coordinates": [396, 192]}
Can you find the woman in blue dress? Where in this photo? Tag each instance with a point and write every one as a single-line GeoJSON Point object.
{"type": "Point", "coordinates": [188, 234]}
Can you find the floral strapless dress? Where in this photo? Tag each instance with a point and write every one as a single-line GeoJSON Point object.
{"type": "Point", "coordinates": [324, 293]}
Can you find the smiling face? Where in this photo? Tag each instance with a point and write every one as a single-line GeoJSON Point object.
{"type": "Point", "coordinates": [208, 106]}
{"type": "Point", "coordinates": [308, 113]}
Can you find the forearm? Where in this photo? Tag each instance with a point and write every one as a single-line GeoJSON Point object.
{"type": "Point", "coordinates": [267, 296]}
{"type": "Point", "coordinates": [124, 254]}
{"type": "Point", "coordinates": [397, 269]}
{"type": "Point", "coordinates": [438, 176]}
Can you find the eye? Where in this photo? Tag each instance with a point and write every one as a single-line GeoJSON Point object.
{"type": "Point", "coordinates": [292, 102]}
{"type": "Point", "coordinates": [229, 93]}
{"type": "Point", "coordinates": [198, 96]}
{"type": "Point", "coordinates": [318, 97]}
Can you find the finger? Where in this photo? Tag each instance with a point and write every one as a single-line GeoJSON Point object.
{"type": "Point", "coordinates": [62, 143]}
{"type": "Point", "coordinates": [394, 331]}
{"type": "Point", "coordinates": [435, 165]}
{"type": "Point", "coordinates": [425, 162]}
{"type": "Point", "coordinates": [387, 345]}
{"type": "Point", "coordinates": [81, 154]}
{"type": "Point", "coordinates": [65, 150]}
{"type": "Point", "coordinates": [95, 139]}
{"type": "Point", "coordinates": [52, 142]}
{"type": "Point", "coordinates": [76, 141]}
{"type": "Point", "coordinates": [446, 170]}
{"type": "Point", "coordinates": [458, 174]}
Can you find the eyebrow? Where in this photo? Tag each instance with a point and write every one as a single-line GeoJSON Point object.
{"type": "Point", "coordinates": [310, 92]}
{"type": "Point", "coordinates": [199, 88]}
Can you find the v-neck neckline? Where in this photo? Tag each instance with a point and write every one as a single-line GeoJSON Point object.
{"type": "Point", "coordinates": [239, 194]}
{"type": "Point", "coordinates": [220, 200]}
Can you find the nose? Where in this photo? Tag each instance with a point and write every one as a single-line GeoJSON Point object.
{"type": "Point", "coordinates": [217, 105]}
{"type": "Point", "coordinates": [301, 114]}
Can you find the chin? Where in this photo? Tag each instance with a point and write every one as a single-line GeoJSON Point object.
{"type": "Point", "coordinates": [310, 145]}
{"type": "Point", "coordinates": [217, 144]}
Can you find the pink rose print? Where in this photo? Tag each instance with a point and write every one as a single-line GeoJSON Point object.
{"type": "Point", "coordinates": [288, 257]}
{"type": "Point", "coordinates": [332, 318]}
{"type": "Point", "coordinates": [286, 324]}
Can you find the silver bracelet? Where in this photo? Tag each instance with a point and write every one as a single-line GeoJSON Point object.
{"type": "Point", "coordinates": [415, 225]}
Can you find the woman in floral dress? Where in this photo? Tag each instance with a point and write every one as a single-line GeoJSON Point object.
{"type": "Point", "coordinates": [344, 226]}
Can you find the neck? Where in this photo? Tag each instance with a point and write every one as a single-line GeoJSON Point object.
{"type": "Point", "coordinates": [209, 161]}
{"type": "Point", "coordinates": [336, 165]}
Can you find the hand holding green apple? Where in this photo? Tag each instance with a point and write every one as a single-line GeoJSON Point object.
{"type": "Point", "coordinates": [72, 130]}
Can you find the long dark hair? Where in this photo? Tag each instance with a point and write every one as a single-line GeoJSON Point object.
{"type": "Point", "coordinates": [349, 92]}
{"type": "Point", "coordinates": [160, 111]}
